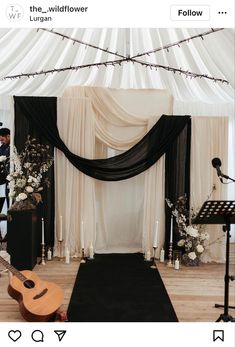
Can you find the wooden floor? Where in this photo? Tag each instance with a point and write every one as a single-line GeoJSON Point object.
{"type": "Point", "coordinates": [192, 290]}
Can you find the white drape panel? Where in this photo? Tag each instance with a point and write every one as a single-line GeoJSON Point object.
{"type": "Point", "coordinates": [209, 140]}
{"type": "Point", "coordinates": [75, 192]}
{"type": "Point", "coordinates": [122, 214]}
{"type": "Point", "coordinates": [219, 107]}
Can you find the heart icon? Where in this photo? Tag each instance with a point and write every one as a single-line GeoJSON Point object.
{"type": "Point", "coordinates": [14, 335]}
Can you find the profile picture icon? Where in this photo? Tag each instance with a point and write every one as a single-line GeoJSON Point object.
{"type": "Point", "coordinates": [14, 13]}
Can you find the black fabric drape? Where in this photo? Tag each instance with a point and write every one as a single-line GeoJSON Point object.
{"type": "Point", "coordinates": [170, 135]}
{"type": "Point", "coordinates": [177, 177]}
{"type": "Point", "coordinates": [41, 111]}
{"type": "Point", "coordinates": [24, 127]}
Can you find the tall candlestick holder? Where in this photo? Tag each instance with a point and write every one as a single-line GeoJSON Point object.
{"type": "Point", "coordinates": [153, 266]}
{"type": "Point", "coordinates": [170, 264]}
{"type": "Point", "coordinates": [43, 254]}
{"type": "Point", "coordinates": [60, 250]}
{"type": "Point", "coordinates": [83, 256]}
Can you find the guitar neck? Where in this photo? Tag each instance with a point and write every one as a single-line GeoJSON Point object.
{"type": "Point", "coordinates": [15, 272]}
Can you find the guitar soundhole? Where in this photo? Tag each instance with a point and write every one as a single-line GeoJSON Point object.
{"type": "Point", "coordinates": [29, 284]}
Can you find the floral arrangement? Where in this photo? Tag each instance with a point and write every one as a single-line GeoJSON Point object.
{"type": "Point", "coordinates": [29, 176]}
{"type": "Point", "coordinates": [191, 237]}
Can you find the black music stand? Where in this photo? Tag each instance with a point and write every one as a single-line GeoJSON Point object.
{"type": "Point", "coordinates": [220, 212]}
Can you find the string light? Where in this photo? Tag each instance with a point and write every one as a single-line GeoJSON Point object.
{"type": "Point", "coordinates": [187, 73]}
{"type": "Point", "coordinates": [118, 62]}
{"type": "Point", "coordinates": [69, 68]}
{"type": "Point", "coordinates": [82, 42]}
{"type": "Point", "coordinates": [178, 43]}
{"type": "Point", "coordinates": [124, 59]}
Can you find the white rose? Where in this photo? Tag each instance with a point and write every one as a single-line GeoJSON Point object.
{"type": "Point", "coordinates": [22, 196]}
{"type": "Point", "coordinates": [192, 255]}
{"type": "Point", "coordinates": [29, 189]}
{"type": "Point", "coordinates": [181, 243]}
{"type": "Point", "coordinates": [192, 231]}
{"type": "Point", "coordinates": [200, 248]}
{"type": "Point", "coordinates": [2, 158]}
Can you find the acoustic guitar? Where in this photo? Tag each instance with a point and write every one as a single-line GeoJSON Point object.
{"type": "Point", "coordinates": [38, 300]}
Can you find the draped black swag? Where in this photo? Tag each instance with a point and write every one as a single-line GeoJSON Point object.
{"type": "Point", "coordinates": [170, 135]}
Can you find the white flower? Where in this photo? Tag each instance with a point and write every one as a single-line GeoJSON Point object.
{"type": "Point", "coordinates": [30, 179]}
{"type": "Point", "coordinates": [20, 182]}
{"type": "Point", "coordinates": [27, 165]}
{"type": "Point", "coordinates": [192, 255]}
{"type": "Point", "coordinates": [188, 244]}
{"type": "Point", "coordinates": [11, 194]}
{"type": "Point", "coordinates": [9, 177]}
{"type": "Point", "coordinates": [192, 231]}
{"type": "Point", "coordinates": [29, 189]}
{"type": "Point", "coordinates": [200, 248]}
{"type": "Point", "coordinates": [11, 184]}
{"type": "Point", "coordinates": [181, 243]}
{"type": "Point", "coordinates": [35, 180]}
{"type": "Point", "coordinates": [204, 236]}
{"type": "Point", "coordinates": [21, 196]}
{"type": "Point", "coordinates": [2, 158]}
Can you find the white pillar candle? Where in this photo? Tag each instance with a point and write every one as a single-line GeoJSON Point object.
{"type": "Point", "coordinates": [61, 229]}
{"type": "Point", "coordinates": [171, 234]}
{"type": "Point", "coordinates": [162, 256]}
{"type": "Point", "coordinates": [91, 252]}
{"type": "Point", "coordinates": [148, 255]}
{"type": "Point", "coordinates": [49, 254]}
{"type": "Point", "coordinates": [155, 235]}
{"type": "Point", "coordinates": [67, 256]}
{"type": "Point", "coordinates": [43, 240]}
{"type": "Point", "coordinates": [82, 235]}
{"type": "Point", "coordinates": [177, 264]}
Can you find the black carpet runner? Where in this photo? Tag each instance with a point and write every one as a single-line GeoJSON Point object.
{"type": "Point", "coordinates": [119, 288]}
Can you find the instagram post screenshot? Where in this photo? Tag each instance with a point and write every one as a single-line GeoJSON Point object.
{"type": "Point", "coordinates": [117, 173]}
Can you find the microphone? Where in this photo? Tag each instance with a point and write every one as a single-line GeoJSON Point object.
{"type": "Point", "coordinates": [216, 163]}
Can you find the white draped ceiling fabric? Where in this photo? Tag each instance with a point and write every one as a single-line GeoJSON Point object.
{"type": "Point", "coordinates": [26, 50]}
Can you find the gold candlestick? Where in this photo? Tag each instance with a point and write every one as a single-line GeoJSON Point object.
{"type": "Point", "coordinates": [43, 254]}
{"type": "Point", "coordinates": [153, 266]}
{"type": "Point", "coordinates": [83, 256]}
{"type": "Point", "coordinates": [170, 264]}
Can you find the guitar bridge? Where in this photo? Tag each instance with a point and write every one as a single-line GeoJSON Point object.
{"type": "Point", "coordinates": [40, 294]}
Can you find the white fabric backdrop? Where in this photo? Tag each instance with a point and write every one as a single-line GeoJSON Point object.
{"type": "Point", "coordinates": [117, 216]}
{"type": "Point", "coordinates": [209, 140]}
{"type": "Point", "coordinates": [120, 216]}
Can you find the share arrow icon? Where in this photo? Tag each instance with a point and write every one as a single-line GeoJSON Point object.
{"type": "Point", "coordinates": [60, 333]}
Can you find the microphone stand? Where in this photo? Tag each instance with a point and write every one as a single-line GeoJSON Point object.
{"type": "Point", "coordinates": [228, 178]}
{"type": "Point", "coordinates": [226, 228]}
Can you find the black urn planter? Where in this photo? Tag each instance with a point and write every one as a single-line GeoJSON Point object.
{"type": "Point", "coordinates": [23, 238]}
